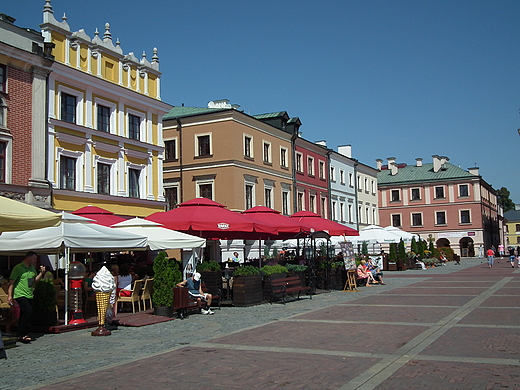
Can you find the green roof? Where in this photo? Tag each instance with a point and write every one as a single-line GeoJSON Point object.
{"type": "Point", "coordinates": [178, 112]}
{"type": "Point", "coordinates": [415, 174]}
{"type": "Point", "coordinates": [271, 115]}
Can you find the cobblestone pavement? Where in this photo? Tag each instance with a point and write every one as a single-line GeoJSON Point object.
{"type": "Point", "coordinates": [452, 327]}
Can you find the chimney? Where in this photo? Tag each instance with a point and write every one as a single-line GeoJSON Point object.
{"type": "Point", "coordinates": [418, 162]}
{"type": "Point", "coordinates": [436, 163]}
{"type": "Point", "coordinates": [321, 143]}
{"type": "Point", "coordinates": [379, 164]}
{"type": "Point", "coordinates": [392, 166]}
{"type": "Point", "coordinates": [345, 150]}
{"type": "Point", "coordinates": [473, 171]}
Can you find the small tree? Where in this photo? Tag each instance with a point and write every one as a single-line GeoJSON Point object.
{"type": "Point", "coordinates": [364, 248]}
{"type": "Point", "coordinates": [392, 256]}
{"type": "Point", "coordinates": [401, 251]}
{"type": "Point", "coordinates": [166, 276]}
{"type": "Point", "coordinates": [413, 245]}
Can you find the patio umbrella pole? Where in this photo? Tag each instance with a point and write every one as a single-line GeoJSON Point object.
{"type": "Point", "coordinates": [260, 253]}
{"type": "Point", "coordinates": [66, 308]}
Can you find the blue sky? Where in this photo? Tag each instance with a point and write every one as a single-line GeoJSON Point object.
{"type": "Point", "coordinates": [400, 78]}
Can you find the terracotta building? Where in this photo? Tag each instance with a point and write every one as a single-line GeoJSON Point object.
{"type": "Point", "coordinates": [25, 63]}
{"type": "Point", "coordinates": [439, 201]}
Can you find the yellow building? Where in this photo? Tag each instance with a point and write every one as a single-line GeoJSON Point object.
{"type": "Point", "coordinates": [105, 145]}
{"type": "Point", "coordinates": [512, 218]}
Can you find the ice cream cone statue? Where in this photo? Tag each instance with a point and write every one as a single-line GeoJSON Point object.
{"type": "Point", "coordinates": [103, 284]}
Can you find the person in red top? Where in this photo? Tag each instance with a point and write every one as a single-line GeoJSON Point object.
{"type": "Point", "coordinates": [491, 257]}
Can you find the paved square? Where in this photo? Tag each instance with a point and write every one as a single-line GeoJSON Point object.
{"type": "Point", "coordinates": [423, 300]}
{"type": "Point", "coordinates": [492, 316]}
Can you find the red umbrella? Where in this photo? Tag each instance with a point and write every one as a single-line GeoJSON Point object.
{"type": "Point", "coordinates": [101, 216]}
{"type": "Point", "coordinates": [287, 228]}
{"type": "Point", "coordinates": [205, 218]}
{"type": "Point", "coordinates": [318, 223]}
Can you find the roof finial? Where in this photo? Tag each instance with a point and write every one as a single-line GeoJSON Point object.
{"type": "Point", "coordinates": [107, 35]}
{"type": "Point", "coordinates": [144, 55]}
{"type": "Point", "coordinates": [117, 42]}
{"type": "Point", "coordinates": [96, 33]}
{"type": "Point", "coordinates": [64, 17]}
{"type": "Point", "coordinates": [47, 7]}
{"type": "Point", "coordinates": [155, 57]}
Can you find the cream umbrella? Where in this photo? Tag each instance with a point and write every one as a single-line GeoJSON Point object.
{"type": "Point", "coordinates": [16, 216]}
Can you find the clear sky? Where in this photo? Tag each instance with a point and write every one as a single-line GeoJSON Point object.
{"type": "Point", "coordinates": [393, 78]}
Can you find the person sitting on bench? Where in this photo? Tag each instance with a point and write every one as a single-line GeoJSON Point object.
{"type": "Point", "coordinates": [195, 291]}
{"type": "Point", "coordinates": [376, 272]}
{"type": "Point", "coordinates": [364, 274]}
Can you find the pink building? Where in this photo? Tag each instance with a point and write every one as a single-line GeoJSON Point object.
{"type": "Point", "coordinates": [439, 201]}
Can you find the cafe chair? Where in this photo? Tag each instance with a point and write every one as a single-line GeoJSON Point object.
{"type": "Point", "coordinates": [147, 293]}
{"type": "Point", "coordinates": [134, 298]}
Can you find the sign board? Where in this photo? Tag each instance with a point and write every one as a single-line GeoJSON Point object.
{"type": "Point", "coordinates": [347, 250]}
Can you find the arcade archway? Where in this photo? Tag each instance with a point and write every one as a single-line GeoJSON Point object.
{"type": "Point", "coordinates": [467, 248]}
{"type": "Point", "coordinates": [443, 243]}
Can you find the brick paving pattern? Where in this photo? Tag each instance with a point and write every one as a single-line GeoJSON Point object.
{"type": "Point", "coordinates": [456, 327]}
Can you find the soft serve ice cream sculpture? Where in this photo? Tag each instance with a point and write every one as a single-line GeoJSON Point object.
{"type": "Point", "coordinates": [103, 284]}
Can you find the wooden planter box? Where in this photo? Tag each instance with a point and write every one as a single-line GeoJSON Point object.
{"type": "Point", "coordinates": [392, 266]}
{"type": "Point", "coordinates": [213, 280]}
{"type": "Point", "coordinates": [247, 290]}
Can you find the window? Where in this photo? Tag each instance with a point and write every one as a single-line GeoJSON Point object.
{"type": "Point", "coordinates": [134, 127]}
{"type": "Point", "coordinates": [439, 192]}
{"type": "Point", "coordinates": [463, 190]}
{"type": "Point", "coordinates": [68, 108]}
{"type": "Point", "coordinates": [322, 170]}
{"type": "Point", "coordinates": [373, 185]}
{"type": "Point", "coordinates": [249, 196]}
{"type": "Point", "coordinates": [465, 216]}
{"type": "Point", "coordinates": [333, 210]}
{"type": "Point", "coordinates": [440, 217]}
{"type": "Point", "coordinates": [312, 203]}
{"type": "Point", "coordinates": [350, 178]}
{"type": "Point", "coordinates": [268, 197]}
{"type": "Point", "coordinates": [416, 194]}
{"type": "Point", "coordinates": [3, 113]}
{"type": "Point", "coordinates": [170, 150]}
{"type": "Point", "coordinates": [67, 173]}
{"type": "Point", "coordinates": [248, 144]}
{"type": "Point", "coordinates": [323, 207]}
{"type": "Point", "coordinates": [310, 166]}
{"type": "Point", "coordinates": [267, 152]}
{"type": "Point", "coordinates": [416, 219]}
{"type": "Point", "coordinates": [300, 201]}
{"type": "Point", "coordinates": [395, 196]}
{"type": "Point", "coordinates": [518, 240]}
{"type": "Point", "coordinates": [366, 185]}
{"type": "Point", "coordinates": [103, 118]}
{"type": "Point", "coordinates": [103, 179]}
{"type": "Point", "coordinates": [203, 142]}
{"type": "Point", "coordinates": [285, 203]}
{"type": "Point", "coordinates": [299, 162]}
{"type": "Point", "coordinates": [3, 159]}
{"type": "Point", "coordinates": [359, 183]}
{"type": "Point", "coordinates": [283, 158]}
{"type": "Point", "coordinates": [172, 197]}
{"type": "Point", "coordinates": [396, 220]}
{"type": "Point", "coordinates": [133, 183]}
{"type": "Point", "coordinates": [332, 174]}
{"type": "Point", "coordinates": [206, 191]}
{"type": "Point", "coordinates": [349, 213]}
{"type": "Point", "coordinates": [342, 212]}
{"type": "Point", "coordinates": [517, 228]}
{"type": "Point", "coordinates": [3, 78]}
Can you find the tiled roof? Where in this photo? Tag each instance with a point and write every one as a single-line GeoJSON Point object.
{"type": "Point", "coordinates": [512, 215]}
{"type": "Point", "coordinates": [414, 174]}
{"type": "Point", "coordinates": [178, 112]}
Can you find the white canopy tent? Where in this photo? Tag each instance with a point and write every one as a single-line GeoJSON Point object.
{"type": "Point", "coordinates": [375, 235]}
{"type": "Point", "coordinates": [407, 237]}
{"type": "Point", "coordinates": [158, 236]}
{"type": "Point", "coordinates": [74, 234]}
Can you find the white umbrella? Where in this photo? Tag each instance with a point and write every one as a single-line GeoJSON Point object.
{"type": "Point", "coordinates": [16, 216]}
{"type": "Point", "coordinates": [158, 236]}
{"type": "Point", "coordinates": [375, 234]}
{"type": "Point", "coordinates": [74, 234]}
{"type": "Point", "coordinates": [401, 233]}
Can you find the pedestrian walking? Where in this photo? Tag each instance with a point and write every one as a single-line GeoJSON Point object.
{"type": "Point", "coordinates": [501, 250]}
{"type": "Point", "coordinates": [490, 257]}
{"type": "Point", "coordinates": [481, 251]}
{"type": "Point", "coordinates": [512, 256]}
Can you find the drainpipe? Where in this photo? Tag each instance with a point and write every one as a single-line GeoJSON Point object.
{"type": "Point", "coordinates": [356, 207]}
{"type": "Point", "coordinates": [329, 187]}
{"type": "Point", "coordinates": [295, 192]}
{"type": "Point", "coordinates": [181, 187]}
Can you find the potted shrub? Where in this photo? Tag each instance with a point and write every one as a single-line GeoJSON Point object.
{"type": "Point", "coordinates": [166, 276]}
{"type": "Point", "coordinates": [299, 270]}
{"type": "Point", "coordinates": [247, 286]}
{"type": "Point", "coordinates": [211, 273]}
{"type": "Point", "coordinates": [392, 258]}
{"type": "Point", "coordinates": [271, 272]}
{"type": "Point", "coordinates": [44, 304]}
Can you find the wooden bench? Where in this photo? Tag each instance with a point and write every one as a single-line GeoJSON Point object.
{"type": "Point", "coordinates": [287, 285]}
{"type": "Point", "coordinates": [183, 302]}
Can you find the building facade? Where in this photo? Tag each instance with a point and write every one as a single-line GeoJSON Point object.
{"type": "Point", "coordinates": [512, 221]}
{"type": "Point", "coordinates": [104, 140]}
{"type": "Point", "coordinates": [342, 187]}
{"type": "Point", "coordinates": [223, 154]}
{"type": "Point", "coordinates": [367, 195]}
{"type": "Point", "coordinates": [439, 201]}
{"type": "Point", "coordinates": [25, 64]}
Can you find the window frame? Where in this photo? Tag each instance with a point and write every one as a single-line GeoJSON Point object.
{"type": "Point", "coordinates": [461, 195]}
{"type": "Point", "coordinates": [284, 153]}
{"type": "Point", "coordinates": [416, 196]}
{"type": "Point", "coordinates": [444, 216]}
{"type": "Point", "coordinates": [321, 169]}
{"type": "Point", "coordinates": [436, 189]}
{"type": "Point", "coordinates": [134, 123]}
{"type": "Point", "coordinates": [64, 104]}
{"type": "Point", "coordinates": [4, 145]}
{"type": "Point", "coordinates": [167, 197]}
{"type": "Point", "coordinates": [413, 217]}
{"type": "Point", "coordinates": [267, 154]}
{"type": "Point", "coordinates": [396, 218]}
{"type": "Point", "coordinates": [299, 162]}
{"type": "Point", "coordinates": [3, 78]}
{"type": "Point", "coordinates": [332, 173]}
{"type": "Point", "coordinates": [248, 146]}
{"type": "Point", "coordinates": [205, 183]}
{"type": "Point", "coordinates": [395, 198]}
{"type": "Point", "coordinates": [3, 113]}
{"type": "Point", "coordinates": [64, 183]}
{"type": "Point", "coordinates": [468, 217]}
{"type": "Point", "coordinates": [108, 178]}
{"type": "Point", "coordinates": [198, 146]}
{"type": "Point", "coordinates": [310, 166]}
{"type": "Point", "coordinates": [169, 150]}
